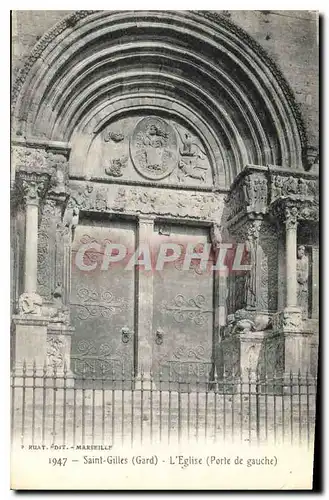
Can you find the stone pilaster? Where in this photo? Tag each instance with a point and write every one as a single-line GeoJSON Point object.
{"type": "Point", "coordinates": [145, 303]}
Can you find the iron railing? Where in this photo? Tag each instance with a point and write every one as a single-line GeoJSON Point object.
{"type": "Point", "coordinates": [51, 406]}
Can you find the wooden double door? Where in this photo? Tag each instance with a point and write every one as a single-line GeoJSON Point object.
{"type": "Point", "coordinates": [133, 314]}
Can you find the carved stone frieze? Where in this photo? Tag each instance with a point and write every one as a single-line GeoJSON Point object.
{"type": "Point", "coordinates": [249, 194]}
{"type": "Point", "coordinates": [144, 149]}
{"type": "Point", "coordinates": [142, 200]}
{"type": "Point", "coordinates": [34, 159]}
{"type": "Point", "coordinates": [259, 190]}
{"type": "Point", "coordinates": [293, 187]}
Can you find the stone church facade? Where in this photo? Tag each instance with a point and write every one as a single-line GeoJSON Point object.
{"type": "Point", "coordinates": [143, 127]}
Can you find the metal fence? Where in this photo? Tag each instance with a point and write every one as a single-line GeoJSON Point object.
{"type": "Point", "coordinates": [55, 407]}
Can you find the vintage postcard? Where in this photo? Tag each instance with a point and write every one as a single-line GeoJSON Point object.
{"type": "Point", "coordinates": [164, 249]}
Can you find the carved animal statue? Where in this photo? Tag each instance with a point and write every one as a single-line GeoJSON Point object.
{"type": "Point", "coordinates": [117, 164]}
{"type": "Point", "coordinates": [190, 147]}
{"type": "Point", "coordinates": [188, 170]}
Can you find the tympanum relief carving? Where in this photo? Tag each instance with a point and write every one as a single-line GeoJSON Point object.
{"type": "Point", "coordinates": [149, 148]}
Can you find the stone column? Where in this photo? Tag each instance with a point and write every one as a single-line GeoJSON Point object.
{"type": "Point", "coordinates": [30, 324]}
{"type": "Point", "coordinates": [33, 186]}
{"type": "Point", "coordinates": [145, 303]}
{"type": "Point", "coordinates": [252, 288]}
{"type": "Point", "coordinates": [287, 324]}
{"type": "Point", "coordinates": [291, 257]}
{"type": "Point", "coordinates": [31, 245]}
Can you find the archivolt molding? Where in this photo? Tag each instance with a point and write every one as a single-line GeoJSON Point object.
{"type": "Point", "coordinates": [249, 41]}
{"type": "Point", "coordinates": [92, 62]}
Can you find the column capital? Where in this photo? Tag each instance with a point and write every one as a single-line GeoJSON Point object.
{"type": "Point", "coordinates": [291, 217]}
{"type": "Point", "coordinates": [32, 185]}
{"type": "Point", "coordinates": [146, 219]}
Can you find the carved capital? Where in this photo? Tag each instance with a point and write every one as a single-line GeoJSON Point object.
{"type": "Point", "coordinates": [253, 229]}
{"type": "Point", "coordinates": [255, 191]}
{"type": "Point", "coordinates": [291, 217]}
{"type": "Point", "coordinates": [32, 185]}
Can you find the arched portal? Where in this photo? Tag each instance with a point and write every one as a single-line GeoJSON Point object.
{"type": "Point", "coordinates": [131, 127]}
{"type": "Point", "coordinates": [197, 68]}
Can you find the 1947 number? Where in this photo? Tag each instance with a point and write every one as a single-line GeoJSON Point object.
{"type": "Point", "coordinates": [57, 461]}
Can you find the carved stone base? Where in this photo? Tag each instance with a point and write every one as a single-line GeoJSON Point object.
{"type": "Point", "coordinates": [239, 356]}
{"type": "Point", "coordinates": [288, 320]}
{"type": "Point", "coordinates": [288, 353]}
{"type": "Point", "coordinates": [30, 341]}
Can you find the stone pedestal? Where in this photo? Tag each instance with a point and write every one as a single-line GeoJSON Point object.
{"type": "Point", "coordinates": [239, 356]}
{"type": "Point", "coordinates": [30, 341]}
{"type": "Point", "coordinates": [288, 353]}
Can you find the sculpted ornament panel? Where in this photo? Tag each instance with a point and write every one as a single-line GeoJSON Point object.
{"type": "Point", "coordinates": [293, 187]}
{"type": "Point", "coordinates": [30, 158]}
{"type": "Point", "coordinates": [153, 148]}
{"type": "Point", "coordinates": [55, 347]}
{"type": "Point", "coordinates": [175, 203]}
{"type": "Point", "coordinates": [140, 149]}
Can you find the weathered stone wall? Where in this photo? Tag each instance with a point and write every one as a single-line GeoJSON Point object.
{"type": "Point", "coordinates": [290, 38]}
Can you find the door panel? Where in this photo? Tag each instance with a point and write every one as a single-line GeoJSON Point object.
{"type": "Point", "coordinates": [183, 311]}
{"type": "Point", "coordinates": [102, 301]}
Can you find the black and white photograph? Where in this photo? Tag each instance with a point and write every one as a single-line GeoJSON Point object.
{"type": "Point", "coordinates": [164, 249]}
